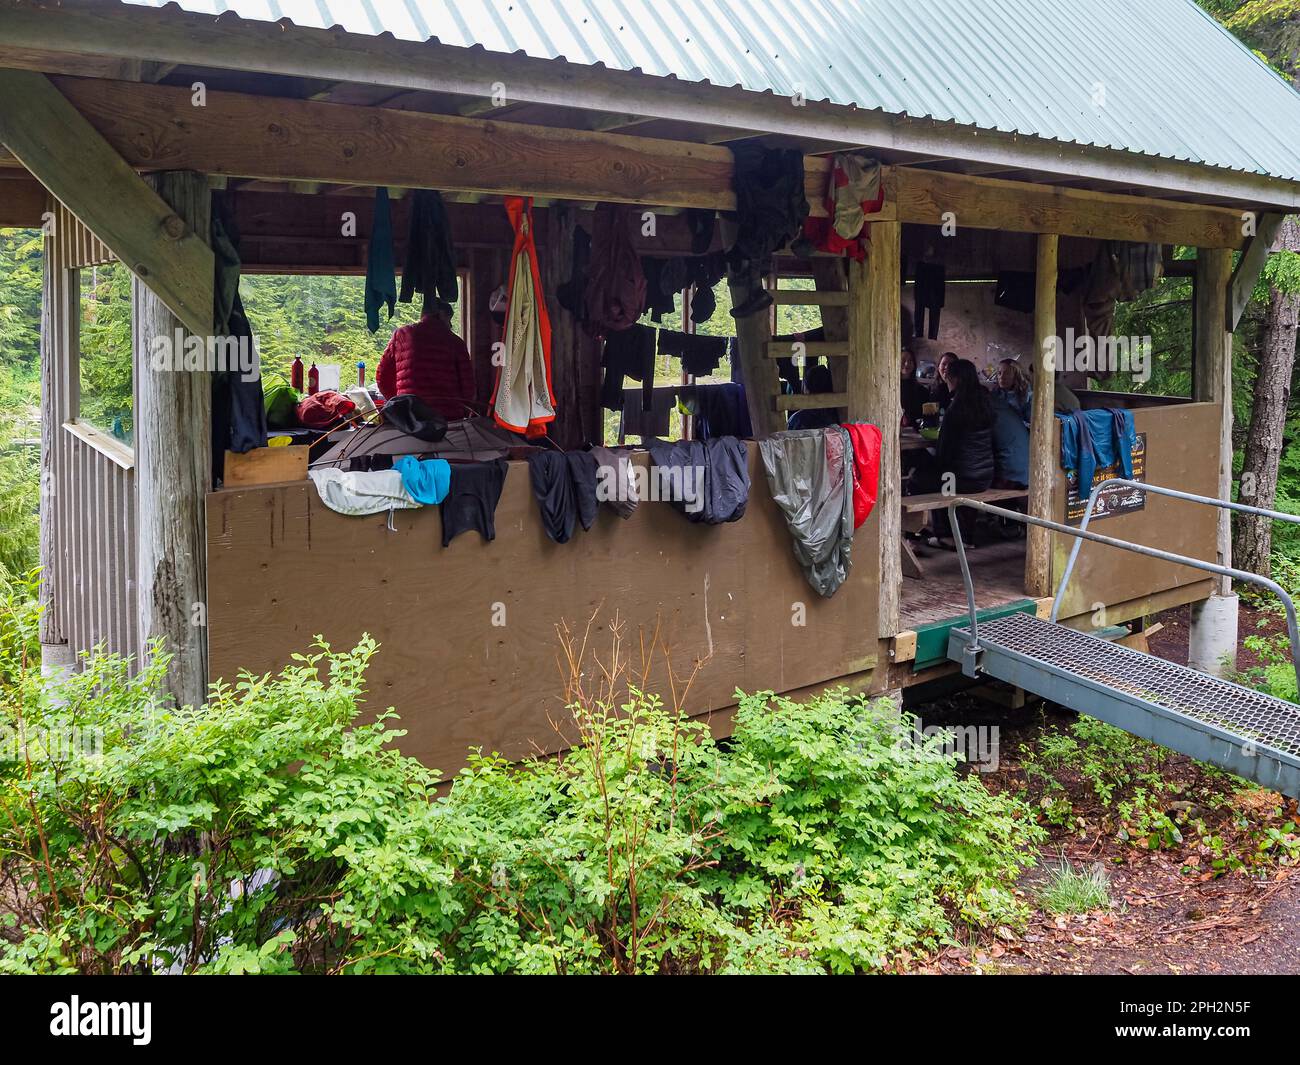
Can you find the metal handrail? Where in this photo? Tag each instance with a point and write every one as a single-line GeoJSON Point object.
{"type": "Point", "coordinates": [1141, 549]}
{"type": "Point", "coordinates": [1173, 493]}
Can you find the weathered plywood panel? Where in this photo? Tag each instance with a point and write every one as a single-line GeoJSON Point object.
{"type": "Point", "coordinates": [1182, 443]}
{"type": "Point", "coordinates": [283, 568]}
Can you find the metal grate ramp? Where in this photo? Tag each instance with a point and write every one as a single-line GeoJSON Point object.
{"type": "Point", "coordinates": [1253, 735]}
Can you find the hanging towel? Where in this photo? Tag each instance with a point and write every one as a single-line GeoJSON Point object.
{"type": "Point", "coordinates": [430, 257]}
{"type": "Point", "coordinates": [426, 481]}
{"type": "Point", "coordinates": [472, 497]}
{"type": "Point", "coordinates": [810, 474]}
{"type": "Point", "coordinates": [523, 400]}
{"type": "Point", "coordinates": [359, 493]}
{"type": "Point", "coordinates": [865, 440]}
{"type": "Point", "coordinates": [381, 268]}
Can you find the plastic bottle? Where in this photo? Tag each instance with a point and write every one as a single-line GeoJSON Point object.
{"type": "Point", "coordinates": [313, 380]}
{"type": "Point", "coordinates": [295, 374]}
{"type": "Point", "coordinates": [361, 375]}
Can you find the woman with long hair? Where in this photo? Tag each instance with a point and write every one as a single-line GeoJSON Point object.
{"type": "Point", "coordinates": [1015, 387]}
{"type": "Point", "coordinates": [962, 461]}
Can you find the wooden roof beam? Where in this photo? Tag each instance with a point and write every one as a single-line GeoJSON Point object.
{"type": "Point", "coordinates": [278, 139]}
{"type": "Point", "coordinates": [53, 140]}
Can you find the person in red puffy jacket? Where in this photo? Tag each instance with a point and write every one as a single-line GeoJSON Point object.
{"type": "Point", "coordinates": [427, 360]}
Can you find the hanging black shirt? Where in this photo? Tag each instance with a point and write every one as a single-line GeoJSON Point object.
{"type": "Point", "coordinates": [472, 498]}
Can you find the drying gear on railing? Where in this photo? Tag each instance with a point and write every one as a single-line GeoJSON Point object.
{"type": "Point", "coordinates": [707, 480]}
{"type": "Point", "coordinates": [853, 191]}
{"type": "Point", "coordinates": [358, 494]}
{"type": "Point", "coordinates": [472, 497]}
{"type": "Point", "coordinates": [238, 409]}
{"type": "Point", "coordinates": [381, 268]}
{"type": "Point", "coordinates": [430, 256]}
{"type": "Point", "coordinates": [1097, 438]}
{"type": "Point", "coordinates": [771, 205]}
{"type": "Point", "coordinates": [866, 440]}
{"type": "Point", "coordinates": [523, 399]}
{"type": "Point", "coordinates": [810, 474]}
{"type": "Point", "coordinates": [616, 284]}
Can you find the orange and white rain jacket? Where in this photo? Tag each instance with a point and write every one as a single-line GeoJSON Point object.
{"type": "Point", "coordinates": [523, 400]}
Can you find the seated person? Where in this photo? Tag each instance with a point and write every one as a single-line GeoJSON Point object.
{"type": "Point", "coordinates": [1010, 445]}
{"type": "Point", "coordinates": [816, 381]}
{"type": "Point", "coordinates": [426, 359]}
{"type": "Point", "coordinates": [914, 394]}
{"type": "Point", "coordinates": [963, 459]}
{"type": "Point", "coordinates": [942, 392]}
{"type": "Point", "coordinates": [1014, 388]}
{"type": "Point", "coordinates": [1063, 399]}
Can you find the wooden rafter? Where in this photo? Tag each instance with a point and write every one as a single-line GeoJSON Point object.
{"type": "Point", "coordinates": [1251, 265]}
{"type": "Point", "coordinates": [155, 126]}
{"type": "Point", "coordinates": [52, 139]}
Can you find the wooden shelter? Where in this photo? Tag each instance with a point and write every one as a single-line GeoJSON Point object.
{"type": "Point", "coordinates": [106, 146]}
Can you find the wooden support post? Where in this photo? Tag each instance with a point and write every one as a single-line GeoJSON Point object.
{"type": "Point", "coordinates": [173, 457]}
{"type": "Point", "coordinates": [1042, 422]}
{"type": "Point", "coordinates": [875, 393]}
{"type": "Point", "coordinates": [1212, 379]}
{"type": "Point", "coordinates": [53, 414]}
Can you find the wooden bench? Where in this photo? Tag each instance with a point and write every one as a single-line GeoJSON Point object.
{"type": "Point", "coordinates": [916, 507]}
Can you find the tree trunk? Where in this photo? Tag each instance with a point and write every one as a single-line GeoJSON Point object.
{"type": "Point", "coordinates": [1253, 544]}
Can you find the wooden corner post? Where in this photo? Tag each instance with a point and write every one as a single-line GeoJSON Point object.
{"type": "Point", "coordinates": [1212, 380]}
{"type": "Point", "coordinates": [173, 456]}
{"type": "Point", "coordinates": [1042, 421]}
{"type": "Point", "coordinates": [875, 393]}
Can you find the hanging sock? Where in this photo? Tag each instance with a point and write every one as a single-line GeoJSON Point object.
{"type": "Point", "coordinates": [523, 400]}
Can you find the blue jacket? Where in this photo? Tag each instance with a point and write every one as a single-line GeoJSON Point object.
{"type": "Point", "coordinates": [1010, 442]}
{"type": "Point", "coordinates": [1101, 437]}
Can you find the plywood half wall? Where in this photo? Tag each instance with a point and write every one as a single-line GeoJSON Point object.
{"type": "Point", "coordinates": [284, 568]}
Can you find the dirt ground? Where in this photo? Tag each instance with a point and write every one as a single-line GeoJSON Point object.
{"type": "Point", "coordinates": [1170, 912]}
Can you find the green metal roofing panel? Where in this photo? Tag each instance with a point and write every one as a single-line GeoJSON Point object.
{"type": "Point", "coordinates": [1157, 77]}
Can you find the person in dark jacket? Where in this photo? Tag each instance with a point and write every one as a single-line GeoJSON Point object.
{"type": "Point", "coordinates": [962, 461]}
{"type": "Point", "coordinates": [914, 394]}
{"type": "Point", "coordinates": [942, 393]}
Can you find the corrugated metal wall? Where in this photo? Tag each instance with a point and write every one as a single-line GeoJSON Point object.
{"type": "Point", "coordinates": [88, 500]}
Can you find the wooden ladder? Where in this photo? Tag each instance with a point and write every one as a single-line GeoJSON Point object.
{"type": "Point", "coordinates": [832, 296]}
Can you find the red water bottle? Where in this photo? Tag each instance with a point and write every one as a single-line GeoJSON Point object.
{"type": "Point", "coordinates": [361, 375]}
{"type": "Point", "coordinates": [295, 374]}
{"type": "Point", "coordinates": [313, 380]}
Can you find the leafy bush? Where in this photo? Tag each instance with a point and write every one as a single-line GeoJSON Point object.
{"type": "Point", "coordinates": [272, 830]}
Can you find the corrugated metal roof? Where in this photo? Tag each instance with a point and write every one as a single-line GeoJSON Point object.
{"type": "Point", "coordinates": [1158, 77]}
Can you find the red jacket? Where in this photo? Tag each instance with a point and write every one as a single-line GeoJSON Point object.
{"type": "Point", "coordinates": [428, 360]}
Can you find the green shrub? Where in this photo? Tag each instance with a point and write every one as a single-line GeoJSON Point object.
{"type": "Point", "coordinates": [272, 830]}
